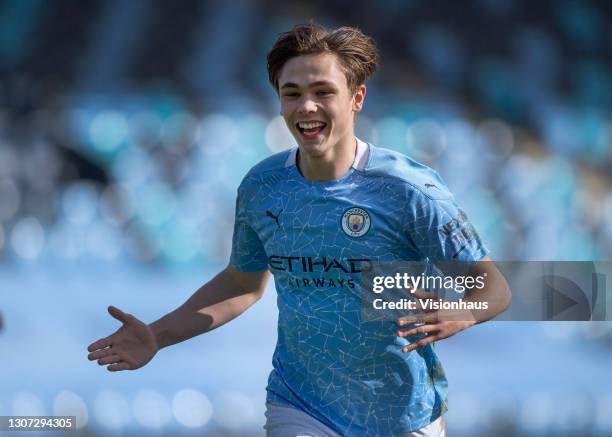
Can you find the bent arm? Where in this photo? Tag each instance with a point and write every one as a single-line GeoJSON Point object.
{"type": "Point", "coordinates": [220, 300]}
{"type": "Point", "coordinates": [441, 324]}
{"type": "Point", "coordinates": [496, 292]}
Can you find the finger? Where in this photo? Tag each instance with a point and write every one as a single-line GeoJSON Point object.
{"type": "Point", "coordinates": [99, 344]}
{"type": "Point", "coordinates": [407, 320]}
{"type": "Point", "coordinates": [96, 355]}
{"type": "Point", "coordinates": [424, 294]}
{"type": "Point", "coordinates": [412, 318]}
{"type": "Point", "coordinates": [419, 344]}
{"type": "Point", "coordinates": [110, 359]}
{"type": "Point", "coordinates": [424, 329]}
{"type": "Point", "coordinates": [117, 367]}
{"type": "Point", "coordinates": [430, 317]}
{"type": "Point", "coordinates": [118, 314]}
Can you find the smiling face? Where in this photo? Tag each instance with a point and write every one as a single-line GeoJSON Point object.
{"type": "Point", "coordinates": [317, 104]}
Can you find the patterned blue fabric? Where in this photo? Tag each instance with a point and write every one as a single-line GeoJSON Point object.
{"type": "Point", "coordinates": [348, 373]}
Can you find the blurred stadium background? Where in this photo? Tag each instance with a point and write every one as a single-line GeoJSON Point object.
{"type": "Point", "coordinates": [125, 129]}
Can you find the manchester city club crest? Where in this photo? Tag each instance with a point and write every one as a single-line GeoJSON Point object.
{"type": "Point", "coordinates": [355, 222]}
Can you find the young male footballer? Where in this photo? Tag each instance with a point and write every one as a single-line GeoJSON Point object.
{"type": "Point", "coordinates": [312, 217]}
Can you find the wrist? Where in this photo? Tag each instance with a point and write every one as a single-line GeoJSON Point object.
{"type": "Point", "coordinates": [159, 335]}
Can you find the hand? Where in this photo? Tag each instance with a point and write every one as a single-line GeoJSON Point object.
{"type": "Point", "coordinates": [129, 348]}
{"type": "Point", "coordinates": [437, 324]}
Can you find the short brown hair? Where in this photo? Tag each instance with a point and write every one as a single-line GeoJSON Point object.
{"type": "Point", "coordinates": [357, 52]}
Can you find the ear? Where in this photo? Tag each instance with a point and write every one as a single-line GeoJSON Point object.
{"type": "Point", "coordinates": [359, 98]}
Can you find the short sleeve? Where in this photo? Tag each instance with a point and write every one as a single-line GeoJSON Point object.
{"type": "Point", "coordinates": [248, 253]}
{"type": "Point", "coordinates": [441, 231]}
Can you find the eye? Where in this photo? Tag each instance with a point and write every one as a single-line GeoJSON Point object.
{"type": "Point", "coordinates": [323, 93]}
{"type": "Point", "coordinates": [291, 94]}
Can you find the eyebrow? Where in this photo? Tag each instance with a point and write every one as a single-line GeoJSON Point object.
{"type": "Point", "coordinates": [314, 84]}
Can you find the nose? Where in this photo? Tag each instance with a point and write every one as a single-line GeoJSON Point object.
{"type": "Point", "coordinates": [307, 106]}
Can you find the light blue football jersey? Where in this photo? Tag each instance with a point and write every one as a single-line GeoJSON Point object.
{"type": "Point", "coordinates": [348, 373]}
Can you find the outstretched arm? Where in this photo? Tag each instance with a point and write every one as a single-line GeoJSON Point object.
{"type": "Point", "coordinates": [220, 300]}
{"type": "Point", "coordinates": [225, 297]}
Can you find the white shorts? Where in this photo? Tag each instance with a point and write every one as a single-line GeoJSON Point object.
{"type": "Point", "coordinates": [286, 421]}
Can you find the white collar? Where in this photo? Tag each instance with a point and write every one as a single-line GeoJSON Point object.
{"type": "Point", "coordinates": [361, 156]}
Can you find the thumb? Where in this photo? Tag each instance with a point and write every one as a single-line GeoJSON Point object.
{"type": "Point", "coordinates": [118, 314]}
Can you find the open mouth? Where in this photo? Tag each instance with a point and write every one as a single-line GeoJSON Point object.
{"type": "Point", "coordinates": [310, 129]}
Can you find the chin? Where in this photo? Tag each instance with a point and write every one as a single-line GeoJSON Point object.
{"type": "Point", "coordinates": [315, 146]}
{"type": "Point", "coordinates": [313, 149]}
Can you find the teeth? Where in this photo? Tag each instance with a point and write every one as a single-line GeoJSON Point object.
{"type": "Point", "coordinates": [311, 125]}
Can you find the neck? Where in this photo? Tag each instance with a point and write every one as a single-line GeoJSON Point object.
{"type": "Point", "coordinates": [331, 165]}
